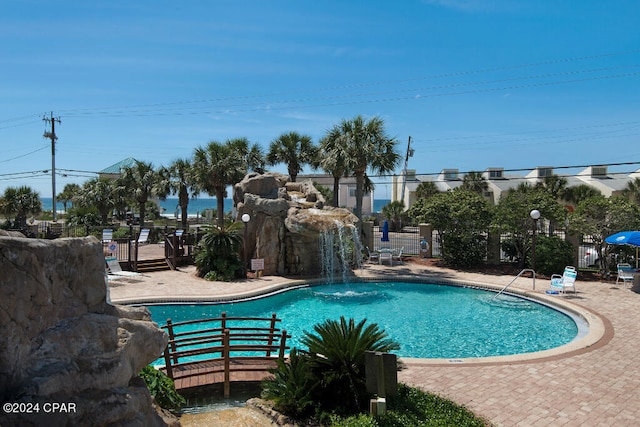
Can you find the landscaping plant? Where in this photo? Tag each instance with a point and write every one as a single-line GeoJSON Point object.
{"type": "Point", "coordinates": [162, 388]}
{"type": "Point", "coordinates": [218, 253]}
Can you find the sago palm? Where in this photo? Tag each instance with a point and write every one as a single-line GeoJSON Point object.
{"type": "Point", "coordinates": [219, 251]}
{"type": "Point", "coordinates": [337, 352]}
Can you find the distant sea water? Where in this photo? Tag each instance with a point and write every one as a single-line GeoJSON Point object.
{"type": "Point", "coordinates": [196, 206]}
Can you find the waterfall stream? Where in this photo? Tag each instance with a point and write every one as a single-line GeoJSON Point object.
{"type": "Point", "coordinates": [340, 251]}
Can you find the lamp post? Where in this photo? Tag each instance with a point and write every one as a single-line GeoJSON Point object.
{"type": "Point", "coordinates": [245, 218]}
{"type": "Point", "coordinates": [535, 216]}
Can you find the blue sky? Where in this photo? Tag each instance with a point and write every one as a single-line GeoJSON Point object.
{"type": "Point", "coordinates": [475, 83]}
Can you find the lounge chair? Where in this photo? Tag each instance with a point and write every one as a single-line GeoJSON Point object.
{"type": "Point", "coordinates": [625, 273]}
{"type": "Point", "coordinates": [373, 257]}
{"type": "Point", "coordinates": [397, 256]}
{"type": "Point", "coordinates": [114, 269]}
{"type": "Point", "coordinates": [566, 281]}
{"type": "Point", "coordinates": [143, 238]}
{"type": "Point", "coordinates": [107, 235]}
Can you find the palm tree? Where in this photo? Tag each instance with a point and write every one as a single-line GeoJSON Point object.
{"type": "Point", "coordinates": [365, 146]}
{"type": "Point", "coordinates": [141, 181]}
{"type": "Point", "coordinates": [632, 191]}
{"type": "Point", "coordinates": [332, 159]}
{"type": "Point", "coordinates": [395, 213]}
{"type": "Point", "coordinates": [68, 193]}
{"type": "Point", "coordinates": [294, 150]}
{"type": "Point", "coordinates": [426, 189]}
{"type": "Point", "coordinates": [99, 193]}
{"type": "Point", "coordinates": [217, 166]}
{"type": "Point", "coordinates": [180, 181]}
{"type": "Point", "coordinates": [554, 185]}
{"type": "Point", "coordinates": [579, 193]}
{"type": "Point", "coordinates": [19, 203]}
{"type": "Point", "coordinates": [252, 155]}
{"type": "Point", "coordinates": [475, 182]}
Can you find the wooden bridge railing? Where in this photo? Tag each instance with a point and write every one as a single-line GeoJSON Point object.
{"type": "Point", "coordinates": [211, 350]}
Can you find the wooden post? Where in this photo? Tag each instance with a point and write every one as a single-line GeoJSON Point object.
{"type": "Point", "coordinates": [171, 338]}
{"type": "Point", "coordinates": [283, 344]}
{"type": "Point", "coordinates": [174, 249]}
{"type": "Point", "coordinates": [223, 320]}
{"type": "Point", "coordinates": [225, 355]}
{"type": "Point", "coordinates": [167, 362]}
{"type": "Point", "coordinates": [135, 257]}
{"type": "Point", "coordinates": [272, 330]}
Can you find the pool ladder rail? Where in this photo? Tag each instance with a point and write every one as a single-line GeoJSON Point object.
{"type": "Point", "coordinates": [526, 270]}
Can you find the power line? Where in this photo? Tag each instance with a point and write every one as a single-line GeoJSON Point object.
{"type": "Point", "coordinates": [24, 155]}
{"type": "Point", "coordinates": [145, 110]}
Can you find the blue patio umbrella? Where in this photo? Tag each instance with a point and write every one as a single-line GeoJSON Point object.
{"type": "Point", "coordinates": [624, 238]}
{"type": "Point", "coordinates": [631, 238]}
{"type": "Point", "coordinates": [385, 232]}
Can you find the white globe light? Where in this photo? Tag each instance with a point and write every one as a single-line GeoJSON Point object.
{"type": "Point", "coordinates": [535, 214]}
{"type": "Point", "coordinates": [246, 218]}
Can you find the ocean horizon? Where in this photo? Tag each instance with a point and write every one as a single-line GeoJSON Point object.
{"type": "Point", "coordinates": [196, 206]}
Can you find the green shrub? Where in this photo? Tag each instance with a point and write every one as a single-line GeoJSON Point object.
{"type": "Point", "coordinates": [464, 250]}
{"type": "Point", "coordinates": [219, 252]}
{"type": "Point", "coordinates": [553, 254]}
{"type": "Point", "coordinates": [162, 388]}
{"type": "Point", "coordinates": [413, 407]}
{"type": "Point", "coordinates": [292, 386]}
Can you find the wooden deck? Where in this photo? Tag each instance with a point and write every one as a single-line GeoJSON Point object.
{"type": "Point", "coordinates": [222, 350]}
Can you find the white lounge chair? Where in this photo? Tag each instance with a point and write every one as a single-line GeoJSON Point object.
{"type": "Point", "coordinates": [143, 238]}
{"type": "Point", "coordinates": [625, 273]}
{"type": "Point", "coordinates": [398, 256]}
{"type": "Point", "coordinates": [107, 235]}
{"type": "Point", "coordinates": [566, 281]}
{"type": "Point", "coordinates": [114, 269]}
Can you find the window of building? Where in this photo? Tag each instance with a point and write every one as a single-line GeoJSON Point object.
{"type": "Point", "coordinates": [599, 171]}
{"type": "Point", "coordinates": [496, 173]}
{"type": "Point", "coordinates": [450, 174]}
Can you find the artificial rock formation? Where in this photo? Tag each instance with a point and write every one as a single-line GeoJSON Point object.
{"type": "Point", "coordinates": [287, 219]}
{"type": "Point", "coordinates": [63, 343]}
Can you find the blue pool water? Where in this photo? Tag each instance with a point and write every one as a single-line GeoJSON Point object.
{"type": "Point", "coordinates": [429, 321]}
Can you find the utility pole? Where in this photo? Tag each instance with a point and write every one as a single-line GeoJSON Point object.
{"type": "Point", "coordinates": [52, 135]}
{"type": "Point", "coordinates": [404, 171]}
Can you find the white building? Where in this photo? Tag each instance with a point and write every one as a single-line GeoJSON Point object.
{"type": "Point", "coordinates": [346, 191]}
{"type": "Point", "coordinates": [499, 182]}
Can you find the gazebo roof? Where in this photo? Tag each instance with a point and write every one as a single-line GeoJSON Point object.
{"type": "Point", "coordinates": [116, 168]}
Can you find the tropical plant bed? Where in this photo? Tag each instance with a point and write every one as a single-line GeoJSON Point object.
{"type": "Point", "coordinates": [412, 407]}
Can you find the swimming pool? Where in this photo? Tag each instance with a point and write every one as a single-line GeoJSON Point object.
{"type": "Point", "coordinates": [428, 320]}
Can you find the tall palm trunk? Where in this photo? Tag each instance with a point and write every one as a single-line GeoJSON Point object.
{"type": "Point", "coordinates": [359, 192]}
{"type": "Point", "coordinates": [220, 204]}
{"type": "Point", "coordinates": [143, 212]}
{"type": "Point", "coordinates": [183, 199]}
{"type": "Point", "coordinates": [336, 190]}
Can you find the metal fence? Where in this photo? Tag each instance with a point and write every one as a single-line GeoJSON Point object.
{"type": "Point", "coordinates": [407, 238]}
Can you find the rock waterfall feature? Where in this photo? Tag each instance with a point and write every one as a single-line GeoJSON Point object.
{"type": "Point", "coordinates": [293, 231]}
{"type": "Point", "coordinates": [66, 354]}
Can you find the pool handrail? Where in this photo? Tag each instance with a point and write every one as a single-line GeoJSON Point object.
{"type": "Point", "coordinates": [525, 270]}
